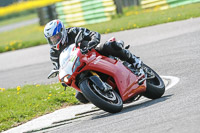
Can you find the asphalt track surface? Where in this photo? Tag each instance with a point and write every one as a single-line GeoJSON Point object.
{"type": "Point", "coordinates": [171, 49]}
{"type": "Point", "coordinates": [18, 25]}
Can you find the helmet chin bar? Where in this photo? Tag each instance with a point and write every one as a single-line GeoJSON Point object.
{"type": "Point", "coordinates": [57, 46]}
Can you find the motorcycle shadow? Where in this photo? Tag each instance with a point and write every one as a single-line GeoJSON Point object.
{"type": "Point", "coordinates": [135, 106]}
{"type": "Point", "coordinates": [143, 104]}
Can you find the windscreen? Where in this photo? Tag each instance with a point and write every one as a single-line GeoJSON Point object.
{"type": "Point", "coordinates": [67, 59]}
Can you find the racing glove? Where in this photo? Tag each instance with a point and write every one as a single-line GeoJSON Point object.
{"type": "Point", "coordinates": [92, 44]}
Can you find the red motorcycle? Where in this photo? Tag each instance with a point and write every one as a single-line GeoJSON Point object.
{"type": "Point", "coordinates": [107, 82]}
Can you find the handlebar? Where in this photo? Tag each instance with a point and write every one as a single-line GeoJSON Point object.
{"type": "Point", "coordinates": [85, 48]}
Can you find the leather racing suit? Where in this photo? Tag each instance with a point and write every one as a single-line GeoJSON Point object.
{"type": "Point", "coordinates": [115, 48]}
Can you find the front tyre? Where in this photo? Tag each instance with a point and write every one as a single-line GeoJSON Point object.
{"type": "Point", "coordinates": [108, 101]}
{"type": "Point", "coordinates": [155, 86]}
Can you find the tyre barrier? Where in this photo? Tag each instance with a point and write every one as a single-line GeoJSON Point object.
{"type": "Point", "coordinates": [165, 4]}
{"type": "Point", "coordinates": [83, 12]}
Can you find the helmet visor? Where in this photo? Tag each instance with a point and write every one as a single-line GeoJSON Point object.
{"type": "Point", "coordinates": [54, 40]}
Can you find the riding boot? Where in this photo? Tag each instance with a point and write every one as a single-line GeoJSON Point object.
{"type": "Point", "coordinates": [126, 55]}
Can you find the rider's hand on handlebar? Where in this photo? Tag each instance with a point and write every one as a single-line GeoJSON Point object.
{"type": "Point", "coordinates": [84, 50]}
{"type": "Point", "coordinates": [91, 44]}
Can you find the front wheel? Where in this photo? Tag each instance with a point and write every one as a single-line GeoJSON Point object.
{"type": "Point", "coordinates": [155, 85]}
{"type": "Point", "coordinates": [108, 101]}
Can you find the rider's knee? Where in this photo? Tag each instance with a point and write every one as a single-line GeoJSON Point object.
{"type": "Point", "coordinates": [117, 45]}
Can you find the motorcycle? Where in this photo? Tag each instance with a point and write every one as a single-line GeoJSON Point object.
{"type": "Point", "coordinates": [107, 82]}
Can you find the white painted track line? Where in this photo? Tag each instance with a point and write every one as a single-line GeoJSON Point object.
{"type": "Point", "coordinates": [172, 81]}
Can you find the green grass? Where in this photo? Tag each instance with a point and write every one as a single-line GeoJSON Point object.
{"type": "Point", "coordinates": [18, 19]}
{"type": "Point", "coordinates": [137, 18]}
{"type": "Point", "coordinates": [22, 104]}
{"type": "Point", "coordinates": [23, 37]}
{"type": "Point", "coordinates": [133, 18]}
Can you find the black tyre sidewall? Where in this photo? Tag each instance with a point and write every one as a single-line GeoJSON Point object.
{"type": "Point", "coordinates": [98, 101]}
{"type": "Point", "coordinates": [154, 91]}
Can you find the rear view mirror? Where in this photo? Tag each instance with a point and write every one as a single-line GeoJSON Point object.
{"type": "Point", "coordinates": [79, 38]}
{"type": "Point", "coordinates": [53, 74]}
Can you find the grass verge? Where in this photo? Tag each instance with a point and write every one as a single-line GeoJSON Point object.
{"type": "Point", "coordinates": [138, 18]}
{"type": "Point", "coordinates": [133, 18]}
{"type": "Point", "coordinates": [23, 37]}
{"type": "Point", "coordinates": [21, 104]}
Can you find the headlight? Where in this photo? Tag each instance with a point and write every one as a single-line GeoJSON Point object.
{"type": "Point", "coordinates": [66, 78]}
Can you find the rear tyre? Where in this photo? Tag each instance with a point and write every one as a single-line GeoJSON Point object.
{"type": "Point", "coordinates": [155, 86]}
{"type": "Point", "coordinates": [108, 101]}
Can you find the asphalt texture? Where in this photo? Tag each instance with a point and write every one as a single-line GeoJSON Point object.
{"type": "Point", "coordinates": [171, 49]}
{"type": "Point", "coordinates": [18, 25]}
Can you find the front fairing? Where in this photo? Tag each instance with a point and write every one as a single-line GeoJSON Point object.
{"type": "Point", "coordinates": [67, 59]}
{"type": "Point", "coordinates": [125, 80]}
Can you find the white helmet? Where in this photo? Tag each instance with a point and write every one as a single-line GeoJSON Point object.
{"type": "Point", "coordinates": [55, 33]}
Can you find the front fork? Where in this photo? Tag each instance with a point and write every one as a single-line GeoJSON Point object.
{"type": "Point", "coordinates": [103, 86]}
{"type": "Point", "coordinates": [94, 73]}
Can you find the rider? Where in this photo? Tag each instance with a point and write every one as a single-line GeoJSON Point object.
{"type": "Point", "coordinates": [59, 38]}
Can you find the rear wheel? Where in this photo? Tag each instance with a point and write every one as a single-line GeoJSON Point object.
{"type": "Point", "coordinates": [155, 85]}
{"type": "Point", "coordinates": [109, 101]}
